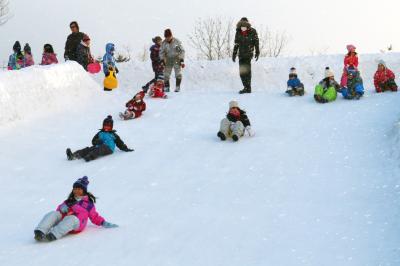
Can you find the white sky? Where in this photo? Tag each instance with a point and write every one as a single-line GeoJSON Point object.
{"type": "Point", "coordinates": [314, 25]}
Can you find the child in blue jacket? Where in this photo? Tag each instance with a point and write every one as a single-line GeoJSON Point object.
{"type": "Point", "coordinates": [109, 60]}
{"type": "Point", "coordinates": [294, 85]}
{"type": "Point", "coordinates": [103, 142]}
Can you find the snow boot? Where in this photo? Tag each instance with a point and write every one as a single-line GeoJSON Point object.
{"type": "Point", "coordinates": [358, 96]}
{"type": "Point", "coordinates": [235, 138]}
{"type": "Point", "coordinates": [39, 235]}
{"type": "Point", "coordinates": [221, 135]}
{"type": "Point", "coordinates": [290, 93]}
{"type": "Point", "coordinates": [70, 156]}
{"type": "Point", "coordinates": [178, 85]}
{"type": "Point", "coordinates": [245, 90]}
{"type": "Point", "coordinates": [166, 87]}
{"type": "Point", "coordinates": [300, 92]}
{"type": "Point", "coordinates": [50, 237]}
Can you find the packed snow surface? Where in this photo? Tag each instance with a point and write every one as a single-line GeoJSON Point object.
{"type": "Point", "coordinates": [316, 185]}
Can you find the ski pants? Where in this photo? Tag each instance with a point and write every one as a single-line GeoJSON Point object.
{"type": "Point", "coordinates": [350, 93]}
{"type": "Point", "coordinates": [231, 128]}
{"type": "Point", "coordinates": [168, 70]}
{"type": "Point", "coordinates": [55, 224]}
{"type": "Point", "coordinates": [388, 85]}
{"type": "Point", "coordinates": [94, 152]}
{"type": "Point", "coordinates": [245, 72]}
{"type": "Point", "coordinates": [328, 94]}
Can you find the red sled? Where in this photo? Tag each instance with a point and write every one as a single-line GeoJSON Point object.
{"type": "Point", "coordinates": [94, 68]}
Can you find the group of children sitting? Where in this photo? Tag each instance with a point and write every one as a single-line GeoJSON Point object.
{"type": "Point", "coordinates": [20, 59]}
{"type": "Point", "coordinates": [351, 84]}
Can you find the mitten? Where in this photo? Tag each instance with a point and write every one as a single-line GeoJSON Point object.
{"type": "Point", "coordinates": [257, 55]}
{"type": "Point", "coordinates": [249, 131]}
{"type": "Point", "coordinates": [109, 225]}
{"type": "Point", "coordinates": [234, 58]}
{"type": "Point", "coordinates": [64, 208]}
{"type": "Point", "coordinates": [128, 150]}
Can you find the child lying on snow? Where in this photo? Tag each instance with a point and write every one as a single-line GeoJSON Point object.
{"type": "Point", "coordinates": [156, 89]}
{"type": "Point", "coordinates": [294, 85]}
{"type": "Point", "coordinates": [103, 142]}
{"type": "Point", "coordinates": [135, 107]}
{"type": "Point", "coordinates": [235, 124]}
{"type": "Point", "coordinates": [72, 215]}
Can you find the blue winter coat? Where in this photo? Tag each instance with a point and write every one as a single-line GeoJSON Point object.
{"type": "Point", "coordinates": [294, 83]}
{"type": "Point", "coordinates": [108, 58]}
{"type": "Point", "coordinates": [109, 138]}
{"type": "Point", "coordinates": [15, 61]}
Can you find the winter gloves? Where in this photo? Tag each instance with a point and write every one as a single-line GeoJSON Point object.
{"type": "Point", "coordinates": [126, 149]}
{"type": "Point", "coordinates": [109, 225]}
{"type": "Point", "coordinates": [249, 131]}
{"type": "Point", "coordinates": [64, 208]}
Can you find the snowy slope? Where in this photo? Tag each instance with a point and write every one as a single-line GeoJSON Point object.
{"type": "Point", "coordinates": [316, 185]}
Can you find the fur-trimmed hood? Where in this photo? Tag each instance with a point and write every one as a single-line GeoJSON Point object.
{"type": "Point", "coordinates": [243, 23]}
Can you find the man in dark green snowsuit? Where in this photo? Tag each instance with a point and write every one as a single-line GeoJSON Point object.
{"type": "Point", "coordinates": [246, 43]}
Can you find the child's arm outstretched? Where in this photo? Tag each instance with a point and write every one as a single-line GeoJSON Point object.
{"type": "Point", "coordinates": [96, 219]}
{"type": "Point", "coordinates": [120, 144]}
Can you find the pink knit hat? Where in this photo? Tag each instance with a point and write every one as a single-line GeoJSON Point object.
{"type": "Point", "coordinates": [351, 48]}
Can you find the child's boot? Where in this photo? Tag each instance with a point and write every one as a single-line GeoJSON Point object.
{"type": "Point", "coordinates": [39, 235]}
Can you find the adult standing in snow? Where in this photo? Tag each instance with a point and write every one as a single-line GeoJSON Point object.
{"type": "Point", "coordinates": [172, 56]}
{"type": "Point", "coordinates": [246, 43]}
{"type": "Point", "coordinates": [73, 40]}
{"type": "Point", "coordinates": [83, 54]}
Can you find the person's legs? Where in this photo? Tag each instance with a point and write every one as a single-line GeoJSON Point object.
{"type": "Point", "coordinates": [48, 221]}
{"type": "Point", "coordinates": [178, 76]}
{"type": "Point", "coordinates": [167, 75]}
{"type": "Point", "coordinates": [97, 152]}
{"type": "Point", "coordinates": [66, 225]}
{"type": "Point", "coordinates": [237, 129]}
{"type": "Point", "coordinates": [245, 74]}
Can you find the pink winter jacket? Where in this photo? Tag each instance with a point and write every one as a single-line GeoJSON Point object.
{"type": "Point", "coordinates": [28, 60]}
{"type": "Point", "coordinates": [83, 210]}
{"type": "Point", "coordinates": [382, 76]}
{"type": "Point", "coordinates": [49, 58]}
{"type": "Point", "coordinates": [351, 60]}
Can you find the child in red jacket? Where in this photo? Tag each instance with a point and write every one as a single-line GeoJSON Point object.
{"type": "Point", "coordinates": [384, 78]}
{"type": "Point", "coordinates": [350, 60]}
{"type": "Point", "coordinates": [135, 107]}
{"type": "Point", "coordinates": [156, 89]}
{"type": "Point", "coordinates": [72, 215]}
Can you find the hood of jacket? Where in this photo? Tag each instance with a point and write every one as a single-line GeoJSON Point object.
{"type": "Point", "coordinates": [110, 47]}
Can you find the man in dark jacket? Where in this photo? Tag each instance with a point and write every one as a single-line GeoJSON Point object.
{"type": "Point", "coordinates": [73, 40]}
{"type": "Point", "coordinates": [246, 42]}
{"type": "Point", "coordinates": [103, 142]}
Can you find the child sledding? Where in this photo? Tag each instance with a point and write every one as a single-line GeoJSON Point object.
{"type": "Point", "coordinates": [326, 90]}
{"type": "Point", "coordinates": [235, 124]}
{"type": "Point", "coordinates": [354, 88]}
{"type": "Point", "coordinates": [294, 85]}
{"type": "Point", "coordinates": [384, 78]}
{"type": "Point", "coordinates": [72, 215]}
{"type": "Point", "coordinates": [135, 107]}
{"type": "Point", "coordinates": [103, 142]}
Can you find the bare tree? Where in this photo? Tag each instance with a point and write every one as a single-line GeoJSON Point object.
{"type": "Point", "coordinates": [212, 37]}
{"type": "Point", "coordinates": [4, 11]}
{"type": "Point", "coordinates": [143, 56]}
{"type": "Point", "coordinates": [124, 56]}
{"type": "Point", "coordinates": [272, 43]}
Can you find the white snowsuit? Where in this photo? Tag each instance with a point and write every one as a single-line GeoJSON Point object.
{"type": "Point", "coordinates": [231, 128]}
{"type": "Point", "coordinates": [172, 53]}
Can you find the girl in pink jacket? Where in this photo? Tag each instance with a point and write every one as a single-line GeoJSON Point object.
{"type": "Point", "coordinates": [350, 60]}
{"type": "Point", "coordinates": [49, 57]}
{"type": "Point", "coordinates": [72, 215]}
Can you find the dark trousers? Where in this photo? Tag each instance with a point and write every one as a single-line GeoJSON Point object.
{"type": "Point", "coordinates": [92, 153]}
{"type": "Point", "coordinates": [389, 85]}
{"type": "Point", "coordinates": [245, 72]}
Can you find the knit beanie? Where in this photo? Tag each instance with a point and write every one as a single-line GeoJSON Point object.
{"type": "Point", "coordinates": [82, 183]}
{"type": "Point", "coordinates": [27, 48]}
{"type": "Point", "coordinates": [233, 104]}
{"type": "Point", "coordinates": [108, 121]}
{"type": "Point", "coordinates": [17, 47]}
{"type": "Point", "coordinates": [156, 39]}
{"type": "Point", "coordinates": [328, 73]}
{"type": "Point", "coordinates": [48, 48]}
{"type": "Point", "coordinates": [381, 62]}
{"type": "Point", "coordinates": [351, 48]}
{"type": "Point", "coordinates": [167, 33]}
{"type": "Point", "coordinates": [293, 71]}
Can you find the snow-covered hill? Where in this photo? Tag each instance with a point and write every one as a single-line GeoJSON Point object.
{"type": "Point", "coordinates": [317, 184]}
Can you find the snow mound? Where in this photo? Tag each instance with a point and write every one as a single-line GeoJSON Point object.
{"type": "Point", "coordinates": [39, 89]}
